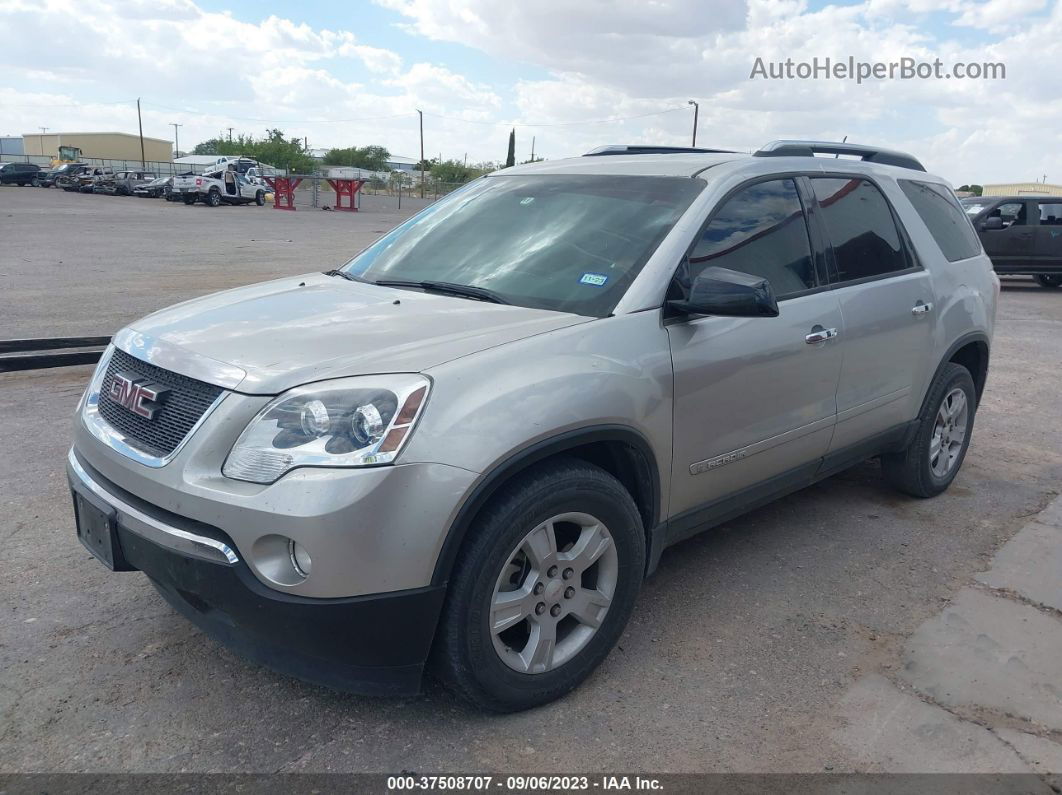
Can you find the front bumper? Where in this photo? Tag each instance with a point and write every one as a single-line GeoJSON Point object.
{"type": "Point", "coordinates": [375, 644]}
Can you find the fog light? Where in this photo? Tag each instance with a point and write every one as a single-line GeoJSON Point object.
{"type": "Point", "coordinates": [300, 558]}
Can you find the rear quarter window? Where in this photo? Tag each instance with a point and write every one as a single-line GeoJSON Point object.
{"type": "Point", "coordinates": [944, 217]}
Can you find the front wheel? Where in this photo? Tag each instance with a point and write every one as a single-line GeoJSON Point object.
{"type": "Point", "coordinates": [190, 198]}
{"type": "Point", "coordinates": [1050, 280]}
{"type": "Point", "coordinates": [543, 588]}
{"type": "Point", "coordinates": [930, 463]}
{"type": "Point", "coordinates": [259, 198]}
{"type": "Point", "coordinates": [213, 199]}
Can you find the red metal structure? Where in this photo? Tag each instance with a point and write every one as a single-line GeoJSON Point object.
{"type": "Point", "coordinates": [283, 191]}
{"type": "Point", "coordinates": [346, 187]}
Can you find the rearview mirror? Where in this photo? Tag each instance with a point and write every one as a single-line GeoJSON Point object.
{"type": "Point", "coordinates": [721, 291]}
{"type": "Point", "coordinates": [992, 222]}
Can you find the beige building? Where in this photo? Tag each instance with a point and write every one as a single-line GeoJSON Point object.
{"type": "Point", "coordinates": [106, 145]}
{"type": "Point", "coordinates": [1022, 188]}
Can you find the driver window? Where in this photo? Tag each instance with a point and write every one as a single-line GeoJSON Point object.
{"type": "Point", "coordinates": [1013, 214]}
{"type": "Point", "coordinates": [761, 231]}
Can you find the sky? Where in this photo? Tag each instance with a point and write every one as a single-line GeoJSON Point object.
{"type": "Point", "coordinates": [569, 76]}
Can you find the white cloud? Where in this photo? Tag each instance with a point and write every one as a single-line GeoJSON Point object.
{"type": "Point", "coordinates": [590, 61]}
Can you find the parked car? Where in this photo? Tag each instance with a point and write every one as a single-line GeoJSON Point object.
{"type": "Point", "coordinates": [20, 174]}
{"type": "Point", "coordinates": [226, 186]}
{"type": "Point", "coordinates": [1021, 234]}
{"type": "Point", "coordinates": [123, 183]}
{"type": "Point", "coordinates": [90, 178]}
{"type": "Point", "coordinates": [68, 177]}
{"type": "Point", "coordinates": [156, 187]}
{"type": "Point", "coordinates": [478, 436]}
{"type": "Point", "coordinates": [55, 176]}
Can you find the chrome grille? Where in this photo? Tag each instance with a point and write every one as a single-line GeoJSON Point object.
{"type": "Point", "coordinates": [187, 401]}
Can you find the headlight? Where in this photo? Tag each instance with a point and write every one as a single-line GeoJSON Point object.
{"type": "Point", "coordinates": [349, 422]}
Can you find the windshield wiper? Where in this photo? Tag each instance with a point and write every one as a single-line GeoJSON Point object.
{"type": "Point", "coordinates": [448, 288]}
{"type": "Point", "coordinates": [348, 276]}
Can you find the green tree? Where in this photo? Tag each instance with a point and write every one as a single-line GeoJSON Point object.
{"type": "Point", "coordinates": [370, 158]}
{"type": "Point", "coordinates": [454, 171]}
{"type": "Point", "coordinates": [274, 150]}
{"type": "Point", "coordinates": [976, 190]}
{"type": "Point", "coordinates": [510, 159]}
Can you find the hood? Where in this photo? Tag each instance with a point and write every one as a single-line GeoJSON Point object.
{"type": "Point", "coordinates": [292, 331]}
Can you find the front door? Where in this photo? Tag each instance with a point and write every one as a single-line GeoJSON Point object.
{"type": "Point", "coordinates": [754, 397]}
{"type": "Point", "coordinates": [1011, 247]}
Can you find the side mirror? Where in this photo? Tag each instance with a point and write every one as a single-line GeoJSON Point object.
{"type": "Point", "coordinates": [721, 291]}
{"type": "Point", "coordinates": [992, 222]}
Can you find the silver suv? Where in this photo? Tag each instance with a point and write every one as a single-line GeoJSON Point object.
{"type": "Point", "coordinates": [468, 446]}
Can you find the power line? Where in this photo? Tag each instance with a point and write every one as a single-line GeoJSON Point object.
{"type": "Point", "coordinates": [558, 123]}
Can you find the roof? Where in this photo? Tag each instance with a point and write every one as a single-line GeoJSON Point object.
{"type": "Point", "coordinates": [61, 133]}
{"type": "Point", "coordinates": [668, 165]}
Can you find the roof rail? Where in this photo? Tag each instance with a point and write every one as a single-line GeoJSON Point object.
{"type": "Point", "coordinates": [871, 154]}
{"type": "Point", "coordinates": [640, 149]}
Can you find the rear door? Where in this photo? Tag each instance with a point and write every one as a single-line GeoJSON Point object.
{"type": "Point", "coordinates": [1048, 245]}
{"type": "Point", "coordinates": [754, 397]}
{"type": "Point", "coordinates": [886, 302]}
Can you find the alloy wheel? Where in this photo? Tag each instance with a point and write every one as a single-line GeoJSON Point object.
{"type": "Point", "coordinates": [553, 592]}
{"type": "Point", "coordinates": [949, 432]}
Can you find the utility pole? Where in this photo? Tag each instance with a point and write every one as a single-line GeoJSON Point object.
{"type": "Point", "coordinates": [421, 114]}
{"type": "Point", "coordinates": [176, 143]}
{"type": "Point", "coordinates": [43, 131]}
{"type": "Point", "coordinates": [140, 123]}
{"type": "Point", "coordinates": [230, 135]}
{"type": "Point", "coordinates": [696, 110]}
{"type": "Point", "coordinates": [532, 149]}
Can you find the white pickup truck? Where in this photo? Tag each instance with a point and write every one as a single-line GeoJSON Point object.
{"type": "Point", "coordinates": [226, 186]}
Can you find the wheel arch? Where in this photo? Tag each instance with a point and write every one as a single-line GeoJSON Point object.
{"type": "Point", "coordinates": [620, 450]}
{"type": "Point", "coordinates": [972, 352]}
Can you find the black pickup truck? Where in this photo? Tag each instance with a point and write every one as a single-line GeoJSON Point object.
{"type": "Point", "coordinates": [1022, 235]}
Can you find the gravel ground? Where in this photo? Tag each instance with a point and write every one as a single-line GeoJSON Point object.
{"type": "Point", "coordinates": [738, 657]}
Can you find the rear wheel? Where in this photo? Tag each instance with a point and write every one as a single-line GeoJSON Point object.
{"type": "Point", "coordinates": [930, 463]}
{"type": "Point", "coordinates": [1049, 280]}
{"type": "Point", "coordinates": [36, 182]}
{"type": "Point", "coordinates": [543, 588]}
{"type": "Point", "coordinates": [190, 198]}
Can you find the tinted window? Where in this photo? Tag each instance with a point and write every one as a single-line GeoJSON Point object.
{"type": "Point", "coordinates": [1051, 212]}
{"type": "Point", "coordinates": [860, 225]}
{"type": "Point", "coordinates": [944, 217]}
{"type": "Point", "coordinates": [761, 231]}
{"type": "Point", "coordinates": [571, 243]}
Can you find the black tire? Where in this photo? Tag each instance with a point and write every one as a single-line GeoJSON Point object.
{"type": "Point", "coordinates": [190, 199]}
{"type": "Point", "coordinates": [36, 182]}
{"type": "Point", "coordinates": [213, 198]}
{"type": "Point", "coordinates": [259, 198]}
{"type": "Point", "coordinates": [1052, 281]}
{"type": "Point", "coordinates": [464, 656]}
{"type": "Point", "coordinates": [910, 470]}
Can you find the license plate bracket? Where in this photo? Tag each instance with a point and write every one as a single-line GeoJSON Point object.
{"type": "Point", "coordinates": [97, 529]}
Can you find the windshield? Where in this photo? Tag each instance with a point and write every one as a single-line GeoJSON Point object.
{"type": "Point", "coordinates": [570, 243]}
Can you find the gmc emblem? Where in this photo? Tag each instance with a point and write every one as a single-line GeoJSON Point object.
{"type": "Point", "coordinates": [133, 392]}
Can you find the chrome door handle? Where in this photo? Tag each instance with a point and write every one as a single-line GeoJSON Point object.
{"type": "Point", "coordinates": [820, 334]}
{"type": "Point", "coordinates": [921, 308]}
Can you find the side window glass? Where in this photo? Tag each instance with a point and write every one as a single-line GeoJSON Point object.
{"type": "Point", "coordinates": [1051, 212]}
{"type": "Point", "coordinates": [940, 211]}
{"type": "Point", "coordinates": [1012, 214]}
{"type": "Point", "coordinates": [761, 231]}
{"type": "Point", "coordinates": [860, 226]}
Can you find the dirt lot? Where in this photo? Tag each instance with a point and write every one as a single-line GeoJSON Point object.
{"type": "Point", "coordinates": [738, 655]}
